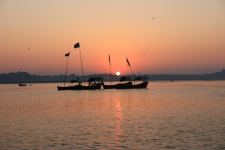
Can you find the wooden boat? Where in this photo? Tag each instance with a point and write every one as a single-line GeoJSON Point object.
{"type": "Point", "coordinates": [118, 85]}
{"type": "Point", "coordinates": [142, 85]}
{"type": "Point", "coordinates": [127, 85]}
{"type": "Point", "coordinates": [93, 83]}
{"type": "Point", "coordinates": [80, 87]}
{"type": "Point", "coordinates": [22, 84]}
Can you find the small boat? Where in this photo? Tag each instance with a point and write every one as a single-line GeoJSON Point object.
{"type": "Point", "coordinates": [22, 84]}
{"type": "Point", "coordinates": [94, 83]}
{"type": "Point", "coordinates": [80, 87]}
{"type": "Point", "coordinates": [142, 85]}
{"type": "Point", "coordinates": [118, 85]}
{"type": "Point", "coordinates": [131, 84]}
{"type": "Point", "coordinates": [127, 85]}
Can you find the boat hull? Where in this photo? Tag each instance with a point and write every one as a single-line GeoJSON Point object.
{"type": "Point", "coordinates": [117, 86]}
{"type": "Point", "coordinates": [22, 84]}
{"type": "Point", "coordinates": [142, 85]}
{"type": "Point", "coordinates": [79, 87]}
{"type": "Point", "coordinates": [127, 85]}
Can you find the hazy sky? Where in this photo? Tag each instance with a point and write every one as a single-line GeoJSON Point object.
{"type": "Point", "coordinates": [185, 36]}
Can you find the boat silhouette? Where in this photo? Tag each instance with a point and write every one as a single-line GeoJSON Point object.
{"type": "Point", "coordinates": [81, 87]}
{"type": "Point", "coordinates": [129, 84]}
{"type": "Point", "coordinates": [92, 83]}
{"type": "Point", "coordinates": [22, 84]}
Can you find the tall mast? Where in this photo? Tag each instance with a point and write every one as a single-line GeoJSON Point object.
{"type": "Point", "coordinates": [81, 64]}
{"type": "Point", "coordinates": [29, 56]}
{"type": "Point", "coordinates": [77, 45]}
{"type": "Point", "coordinates": [128, 63]}
{"type": "Point", "coordinates": [67, 61]}
{"type": "Point", "coordinates": [110, 74]}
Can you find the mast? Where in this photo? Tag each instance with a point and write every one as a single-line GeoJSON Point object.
{"type": "Point", "coordinates": [77, 45]}
{"type": "Point", "coordinates": [128, 63]}
{"type": "Point", "coordinates": [67, 61]}
{"type": "Point", "coordinates": [81, 64]}
{"type": "Point", "coordinates": [110, 74]}
{"type": "Point", "coordinates": [29, 56]}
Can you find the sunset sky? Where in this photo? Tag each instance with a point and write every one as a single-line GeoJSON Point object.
{"type": "Point", "coordinates": [158, 36]}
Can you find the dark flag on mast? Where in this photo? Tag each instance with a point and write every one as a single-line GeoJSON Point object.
{"type": "Point", "coordinates": [128, 63]}
{"type": "Point", "coordinates": [109, 60]}
{"type": "Point", "coordinates": [67, 54]}
{"type": "Point", "coordinates": [77, 45]}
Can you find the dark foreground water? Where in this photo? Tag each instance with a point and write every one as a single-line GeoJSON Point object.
{"type": "Point", "coordinates": [168, 115]}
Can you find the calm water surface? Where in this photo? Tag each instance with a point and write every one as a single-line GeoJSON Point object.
{"type": "Point", "coordinates": [167, 115]}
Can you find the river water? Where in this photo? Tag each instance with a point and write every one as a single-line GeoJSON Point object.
{"type": "Point", "coordinates": [167, 115]}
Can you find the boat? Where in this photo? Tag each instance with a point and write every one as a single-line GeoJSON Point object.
{"type": "Point", "coordinates": [142, 85]}
{"type": "Point", "coordinates": [132, 84]}
{"type": "Point", "coordinates": [93, 82]}
{"type": "Point", "coordinates": [118, 85]}
{"type": "Point", "coordinates": [80, 87]}
{"type": "Point", "coordinates": [129, 84]}
{"type": "Point", "coordinates": [22, 84]}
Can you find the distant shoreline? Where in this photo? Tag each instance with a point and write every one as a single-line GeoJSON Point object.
{"type": "Point", "coordinates": [24, 77]}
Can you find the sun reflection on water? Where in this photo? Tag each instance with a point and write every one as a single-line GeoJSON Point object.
{"type": "Point", "coordinates": [118, 122]}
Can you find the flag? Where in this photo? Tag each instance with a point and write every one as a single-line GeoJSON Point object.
{"type": "Point", "coordinates": [67, 54]}
{"type": "Point", "coordinates": [128, 63]}
{"type": "Point", "coordinates": [77, 45]}
{"type": "Point", "coordinates": [109, 60]}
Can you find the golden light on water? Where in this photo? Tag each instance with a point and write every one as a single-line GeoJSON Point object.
{"type": "Point", "coordinates": [118, 121]}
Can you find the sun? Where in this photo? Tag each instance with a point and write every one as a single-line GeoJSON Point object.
{"type": "Point", "coordinates": [117, 73]}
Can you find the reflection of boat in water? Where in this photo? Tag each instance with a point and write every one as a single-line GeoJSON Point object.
{"type": "Point", "coordinates": [22, 84]}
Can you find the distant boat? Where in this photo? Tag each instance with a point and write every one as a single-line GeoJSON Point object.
{"type": "Point", "coordinates": [22, 84]}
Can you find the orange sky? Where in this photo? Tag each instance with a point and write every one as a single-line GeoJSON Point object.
{"type": "Point", "coordinates": [186, 36]}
